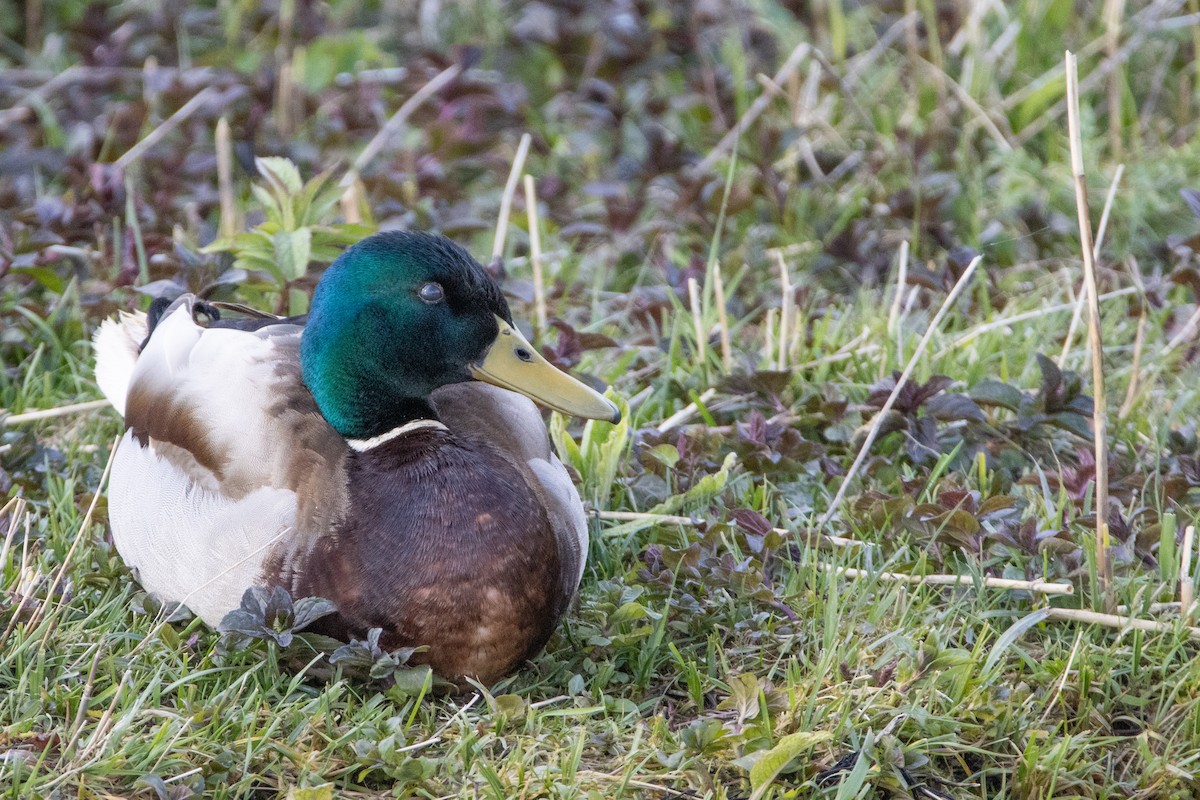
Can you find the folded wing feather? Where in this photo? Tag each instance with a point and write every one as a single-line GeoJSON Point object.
{"type": "Point", "coordinates": [227, 461]}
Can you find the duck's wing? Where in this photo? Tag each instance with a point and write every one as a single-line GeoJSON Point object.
{"type": "Point", "coordinates": [512, 423]}
{"type": "Point", "coordinates": [226, 464]}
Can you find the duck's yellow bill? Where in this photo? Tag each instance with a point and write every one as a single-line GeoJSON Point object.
{"type": "Point", "coordinates": [512, 363]}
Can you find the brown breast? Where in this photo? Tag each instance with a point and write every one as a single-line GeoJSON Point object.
{"type": "Point", "coordinates": [446, 545]}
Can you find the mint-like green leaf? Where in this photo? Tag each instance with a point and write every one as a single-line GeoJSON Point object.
{"type": "Point", "coordinates": [767, 768]}
{"type": "Point", "coordinates": [292, 251]}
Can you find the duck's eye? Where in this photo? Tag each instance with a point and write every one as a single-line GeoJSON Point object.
{"type": "Point", "coordinates": [432, 293]}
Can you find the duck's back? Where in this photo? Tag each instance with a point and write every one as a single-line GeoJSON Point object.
{"type": "Point", "coordinates": [225, 459]}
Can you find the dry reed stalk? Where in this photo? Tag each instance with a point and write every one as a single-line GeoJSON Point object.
{"type": "Point", "coordinates": [684, 414]}
{"type": "Point", "coordinates": [769, 338]}
{"type": "Point", "coordinates": [66, 561]}
{"type": "Point", "coordinates": [398, 121]}
{"type": "Point", "coordinates": [34, 16]}
{"type": "Point", "coordinates": [535, 253]}
{"type": "Point", "coordinates": [980, 116]}
{"type": "Point", "coordinates": [1153, 608]}
{"type": "Point", "coordinates": [510, 189]}
{"type": "Point", "coordinates": [17, 508]}
{"type": "Point", "coordinates": [1185, 333]}
{"type": "Point", "coordinates": [351, 202]}
{"type": "Point", "coordinates": [1095, 339]}
{"type": "Point", "coordinates": [21, 586]}
{"type": "Point", "coordinates": [722, 319]}
{"type": "Point", "coordinates": [1117, 621]}
{"type": "Point", "coordinates": [1077, 315]}
{"type": "Point", "coordinates": [672, 519]}
{"type": "Point", "coordinates": [901, 281]}
{"type": "Point", "coordinates": [987, 327]}
{"type": "Point", "coordinates": [285, 89]}
{"type": "Point", "coordinates": [1062, 683]}
{"type": "Point", "coordinates": [787, 310]}
{"type": "Point", "coordinates": [1113, 11]}
{"type": "Point", "coordinates": [1142, 24]}
{"type": "Point", "coordinates": [958, 288]}
{"type": "Point", "coordinates": [1038, 587]}
{"type": "Point", "coordinates": [228, 226]}
{"type": "Point", "coordinates": [169, 124]}
{"type": "Point", "coordinates": [149, 95]}
{"type": "Point", "coordinates": [1131, 391]}
{"type": "Point", "coordinates": [697, 321]}
{"type": "Point", "coordinates": [754, 110]}
{"type": "Point", "coordinates": [84, 700]}
{"type": "Point", "coordinates": [50, 413]}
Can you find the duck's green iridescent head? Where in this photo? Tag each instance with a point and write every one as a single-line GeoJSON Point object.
{"type": "Point", "coordinates": [400, 314]}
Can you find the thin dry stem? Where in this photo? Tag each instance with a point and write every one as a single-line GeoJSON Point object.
{"type": "Point", "coordinates": [684, 414]}
{"type": "Point", "coordinates": [754, 110]}
{"type": "Point", "coordinates": [351, 202]}
{"type": "Point", "coordinates": [285, 91]}
{"type": "Point", "coordinates": [15, 506]}
{"type": "Point", "coordinates": [1118, 622]}
{"type": "Point", "coordinates": [672, 519]}
{"type": "Point", "coordinates": [1038, 587]}
{"type": "Point", "coordinates": [1063, 680]}
{"type": "Point", "coordinates": [1153, 608]}
{"type": "Point", "coordinates": [625, 780]}
{"type": "Point", "coordinates": [769, 338]}
{"type": "Point", "coordinates": [85, 698]}
{"type": "Point", "coordinates": [1113, 11]}
{"type": "Point", "coordinates": [877, 422]}
{"type": "Point", "coordinates": [535, 253]}
{"type": "Point", "coordinates": [79, 537]}
{"type": "Point", "coordinates": [169, 124]}
{"type": "Point", "coordinates": [1077, 315]}
{"type": "Point", "coordinates": [228, 225]}
{"type": "Point", "coordinates": [398, 121]}
{"type": "Point", "coordinates": [723, 319]}
{"type": "Point", "coordinates": [96, 741]}
{"type": "Point", "coordinates": [980, 115]}
{"type": "Point", "coordinates": [901, 282]}
{"type": "Point", "coordinates": [21, 108]}
{"type": "Point", "coordinates": [987, 327]}
{"type": "Point", "coordinates": [510, 189]}
{"type": "Point", "coordinates": [787, 312]}
{"type": "Point", "coordinates": [51, 413]}
{"type": "Point", "coordinates": [1186, 333]}
{"type": "Point", "coordinates": [697, 320]}
{"type": "Point", "coordinates": [1095, 339]}
{"type": "Point", "coordinates": [22, 571]}
{"type": "Point", "coordinates": [1131, 391]}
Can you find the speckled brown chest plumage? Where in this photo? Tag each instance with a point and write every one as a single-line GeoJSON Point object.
{"type": "Point", "coordinates": [441, 553]}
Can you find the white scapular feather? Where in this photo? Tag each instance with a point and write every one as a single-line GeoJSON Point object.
{"type": "Point", "coordinates": [116, 344]}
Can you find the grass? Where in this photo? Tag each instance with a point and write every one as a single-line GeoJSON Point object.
{"type": "Point", "coordinates": [718, 660]}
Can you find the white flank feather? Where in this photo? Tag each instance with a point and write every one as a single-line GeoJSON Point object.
{"type": "Point", "coordinates": [192, 536]}
{"type": "Point", "coordinates": [187, 544]}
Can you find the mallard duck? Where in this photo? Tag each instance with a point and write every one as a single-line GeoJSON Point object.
{"type": "Point", "coordinates": [383, 453]}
